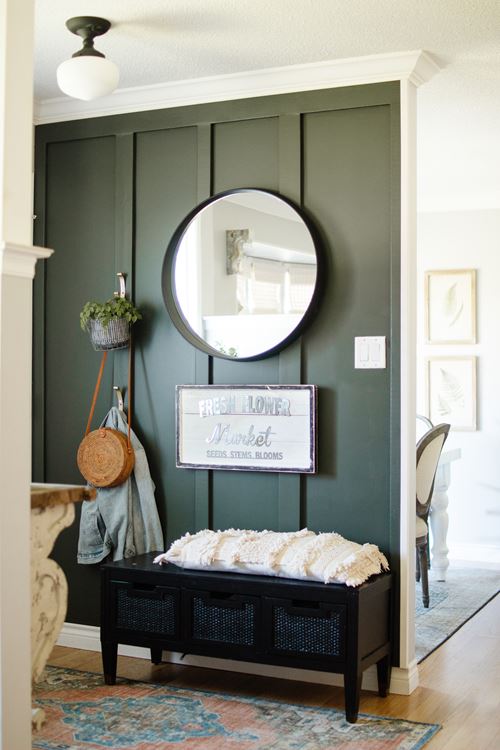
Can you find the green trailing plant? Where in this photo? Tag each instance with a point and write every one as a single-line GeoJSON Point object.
{"type": "Point", "coordinates": [231, 352]}
{"type": "Point", "coordinates": [116, 307]}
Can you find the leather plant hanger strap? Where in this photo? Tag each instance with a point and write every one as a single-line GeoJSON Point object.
{"type": "Point", "coordinates": [129, 410]}
{"type": "Point", "coordinates": [98, 386]}
{"type": "Point", "coordinates": [96, 391]}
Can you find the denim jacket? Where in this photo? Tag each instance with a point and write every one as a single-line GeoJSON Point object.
{"type": "Point", "coordinates": [122, 521]}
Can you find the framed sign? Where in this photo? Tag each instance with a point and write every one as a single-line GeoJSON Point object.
{"type": "Point", "coordinates": [450, 306]}
{"type": "Point", "coordinates": [246, 427]}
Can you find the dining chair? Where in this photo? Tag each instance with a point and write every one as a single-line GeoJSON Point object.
{"type": "Point", "coordinates": [424, 424]}
{"type": "Point", "coordinates": [429, 449]}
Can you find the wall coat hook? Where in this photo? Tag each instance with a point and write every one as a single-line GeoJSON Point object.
{"type": "Point", "coordinates": [119, 397]}
{"type": "Point", "coordinates": [123, 288]}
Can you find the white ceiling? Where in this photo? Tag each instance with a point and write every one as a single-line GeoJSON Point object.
{"type": "Point", "coordinates": [154, 41]}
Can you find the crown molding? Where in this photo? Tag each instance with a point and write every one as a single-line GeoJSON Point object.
{"type": "Point", "coordinates": [19, 260]}
{"type": "Point", "coordinates": [415, 66]}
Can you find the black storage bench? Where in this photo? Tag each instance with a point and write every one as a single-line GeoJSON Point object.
{"type": "Point", "coordinates": [287, 622]}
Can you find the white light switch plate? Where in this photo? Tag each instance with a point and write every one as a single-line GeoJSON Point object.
{"type": "Point", "coordinates": [369, 352]}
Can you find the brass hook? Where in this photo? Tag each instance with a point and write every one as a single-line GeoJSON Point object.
{"type": "Point", "coordinates": [121, 281]}
{"type": "Point", "coordinates": [119, 397]}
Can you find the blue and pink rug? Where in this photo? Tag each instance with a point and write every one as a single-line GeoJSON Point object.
{"type": "Point", "coordinates": [452, 603]}
{"type": "Point", "coordinates": [84, 714]}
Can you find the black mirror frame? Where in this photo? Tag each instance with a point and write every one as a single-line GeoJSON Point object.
{"type": "Point", "coordinates": [170, 297]}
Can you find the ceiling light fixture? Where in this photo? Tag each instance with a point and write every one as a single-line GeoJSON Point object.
{"type": "Point", "coordinates": [88, 74]}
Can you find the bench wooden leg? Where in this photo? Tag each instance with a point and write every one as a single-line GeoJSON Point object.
{"type": "Point", "coordinates": [156, 654]}
{"type": "Point", "coordinates": [384, 675]}
{"type": "Point", "coordinates": [109, 653]}
{"type": "Point", "coordinates": [352, 689]}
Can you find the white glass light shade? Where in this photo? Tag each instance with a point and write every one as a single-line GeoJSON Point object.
{"type": "Point", "coordinates": [87, 77]}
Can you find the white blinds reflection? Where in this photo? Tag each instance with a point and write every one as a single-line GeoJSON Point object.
{"type": "Point", "coordinates": [265, 287]}
{"type": "Point", "coordinates": [302, 280]}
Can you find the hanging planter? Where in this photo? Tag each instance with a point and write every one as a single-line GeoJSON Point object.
{"type": "Point", "coordinates": [115, 335]}
{"type": "Point", "coordinates": [108, 323]}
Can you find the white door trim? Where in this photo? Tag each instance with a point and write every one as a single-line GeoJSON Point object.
{"type": "Point", "coordinates": [408, 378]}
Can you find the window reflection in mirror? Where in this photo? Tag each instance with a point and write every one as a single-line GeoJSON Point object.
{"type": "Point", "coordinates": [244, 273]}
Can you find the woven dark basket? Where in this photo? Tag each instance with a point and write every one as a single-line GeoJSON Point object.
{"type": "Point", "coordinates": [116, 335]}
{"type": "Point", "coordinates": [307, 635]}
{"type": "Point", "coordinates": [230, 626]}
{"type": "Point", "coordinates": [151, 615]}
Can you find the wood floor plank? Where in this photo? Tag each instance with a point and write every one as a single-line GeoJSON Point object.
{"type": "Point", "coordinates": [459, 685]}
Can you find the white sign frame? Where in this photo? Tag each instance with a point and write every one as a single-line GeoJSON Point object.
{"type": "Point", "coordinates": [247, 427]}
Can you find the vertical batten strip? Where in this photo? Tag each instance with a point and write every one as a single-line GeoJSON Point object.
{"type": "Point", "coordinates": [202, 362]}
{"type": "Point", "coordinates": [204, 161]}
{"type": "Point", "coordinates": [290, 156]}
{"type": "Point", "coordinates": [124, 235]}
{"type": "Point", "coordinates": [290, 359]}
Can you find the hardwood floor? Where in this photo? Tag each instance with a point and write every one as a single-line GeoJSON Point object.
{"type": "Point", "coordinates": [459, 685]}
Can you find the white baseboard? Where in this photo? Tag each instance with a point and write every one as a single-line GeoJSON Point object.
{"type": "Point", "coordinates": [404, 680]}
{"type": "Point", "coordinates": [86, 637]}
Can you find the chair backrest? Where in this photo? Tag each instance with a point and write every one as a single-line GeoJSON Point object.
{"type": "Point", "coordinates": [429, 449]}
{"type": "Point", "coordinates": [424, 424]}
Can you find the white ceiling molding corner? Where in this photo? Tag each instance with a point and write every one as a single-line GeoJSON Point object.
{"type": "Point", "coordinates": [426, 67]}
{"type": "Point", "coordinates": [416, 66]}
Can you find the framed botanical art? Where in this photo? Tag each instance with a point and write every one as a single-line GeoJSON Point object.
{"type": "Point", "coordinates": [451, 391]}
{"type": "Point", "coordinates": [450, 306]}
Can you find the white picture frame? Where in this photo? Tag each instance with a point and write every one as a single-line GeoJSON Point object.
{"type": "Point", "coordinates": [246, 427]}
{"type": "Point", "coordinates": [451, 391]}
{"type": "Point", "coordinates": [450, 306]}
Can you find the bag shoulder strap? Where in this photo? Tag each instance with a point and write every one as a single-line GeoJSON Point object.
{"type": "Point", "coordinates": [96, 393]}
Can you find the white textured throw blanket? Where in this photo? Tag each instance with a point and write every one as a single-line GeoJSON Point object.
{"type": "Point", "coordinates": [300, 554]}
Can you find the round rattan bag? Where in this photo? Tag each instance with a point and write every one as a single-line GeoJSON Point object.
{"type": "Point", "coordinates": [105, 458]}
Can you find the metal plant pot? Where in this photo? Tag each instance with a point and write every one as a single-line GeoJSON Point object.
{"type": "Point", "coordinates": [115, 335]}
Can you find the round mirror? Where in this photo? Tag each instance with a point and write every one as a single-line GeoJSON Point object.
{"type": "Point", "coordinates": [240, 276]}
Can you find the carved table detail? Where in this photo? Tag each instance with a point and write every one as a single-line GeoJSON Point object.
{"type": "Point", "coordinates": [52, 510]}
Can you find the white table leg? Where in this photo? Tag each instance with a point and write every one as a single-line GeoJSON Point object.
{"type": "Point", "coordinates": [439, 522]}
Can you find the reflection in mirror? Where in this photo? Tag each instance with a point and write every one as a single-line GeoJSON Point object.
{"type": "Point", "coordinates": [243, 273]}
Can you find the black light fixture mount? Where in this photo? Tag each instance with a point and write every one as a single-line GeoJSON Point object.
{"type": "Point", "coordinates": [88, 27]}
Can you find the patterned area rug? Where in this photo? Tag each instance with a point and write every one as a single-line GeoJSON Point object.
{"type": "Point", "coordinates": [84, 714]}
{"type": "Point", "coordinates": [451, 604]}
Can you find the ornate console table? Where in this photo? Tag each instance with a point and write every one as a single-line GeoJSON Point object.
{"type": "Point", "coordinates": [52, 510]}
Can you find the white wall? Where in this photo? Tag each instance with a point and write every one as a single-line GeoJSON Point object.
{"type": "Point", "coordinates": [469, 239]}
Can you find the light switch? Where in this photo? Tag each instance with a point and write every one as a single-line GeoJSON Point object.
{"type": "Point", "coordinates": [369, 352]}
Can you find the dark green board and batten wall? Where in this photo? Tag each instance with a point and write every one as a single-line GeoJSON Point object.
{"type": "Point", "coordinates": [111, 191]}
